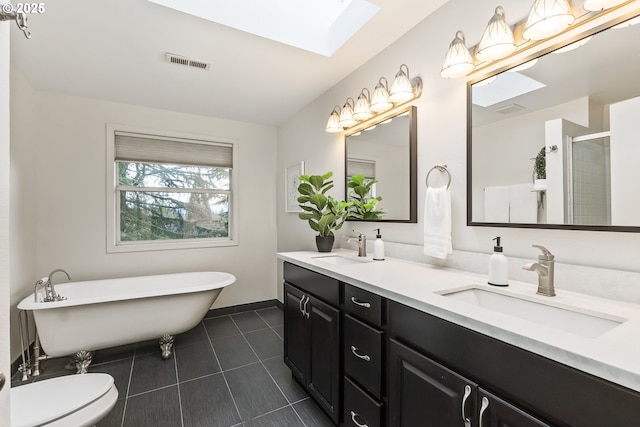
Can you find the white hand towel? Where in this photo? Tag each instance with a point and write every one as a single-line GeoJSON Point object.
{"type": "Point", "coordinates": [496, 204]}
{"type": "Point", "coordinates": [437, 222]}
{"type": "Point", "coordinates": [523, 204]}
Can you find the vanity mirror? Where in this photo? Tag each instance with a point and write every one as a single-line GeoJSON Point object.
{"type": "Point", "coordinates": [573, 117]}
{"type": "Point", "coordinates": [386, 151]}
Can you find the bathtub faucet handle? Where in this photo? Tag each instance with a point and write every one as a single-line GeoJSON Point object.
{"type": "Point", "coordinates": [51, 294]}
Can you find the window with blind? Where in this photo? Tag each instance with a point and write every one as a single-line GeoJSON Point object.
{"type": "Point", "coordinates": [169, 189]}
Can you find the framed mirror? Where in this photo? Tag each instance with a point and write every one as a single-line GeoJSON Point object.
{"type": "Point", "coordinates": [386, 151]}
{"type": "Point", "coordinates": [554, 145]}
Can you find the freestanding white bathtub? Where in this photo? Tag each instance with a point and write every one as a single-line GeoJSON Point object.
{"type": "Point", "coordinates": [106, 313]}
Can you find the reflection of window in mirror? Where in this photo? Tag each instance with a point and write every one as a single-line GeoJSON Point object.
{"type": "Point", "coordinates": [366, 168]}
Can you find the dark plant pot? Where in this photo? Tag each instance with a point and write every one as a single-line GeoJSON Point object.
{"type": "Point", "coordinates": [324, 243]}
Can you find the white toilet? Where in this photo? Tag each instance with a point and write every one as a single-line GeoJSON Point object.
{"type": "Point", "coordinates": [72, 400]}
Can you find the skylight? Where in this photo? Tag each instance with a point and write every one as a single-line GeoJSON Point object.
{"type": "Point", "coordinates": [319, 26]}
{"type": "Point", "coordinates": [505, 86]}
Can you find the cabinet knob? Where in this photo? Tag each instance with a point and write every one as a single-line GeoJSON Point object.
{"type": "Point", "coordinates": [353, 418]}
{"type": "Point", "coordinates": [361, 304]}
{"type": "Point", "coordinates": [2, 380]}
{"type": "Point", "coordinates": [364, 357]}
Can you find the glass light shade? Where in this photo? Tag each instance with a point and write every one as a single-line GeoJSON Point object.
{"type": "Point", "coordinates": [574, 45]}
{"type": "Point", "coordinates": [380, 98]}
{"type": "Point", "coordinates": [547, 18]}
{"type": "Point", "coordinates": [497, 40]}
{"type": "Point", "coordinates": [596, 5]}
{"type": "Point", "coordinates": [458, 61]}
{"type": "Point", "coordinates": [333, 125]}
{"type": "Point", "coordinates": [346, 115]}
{"type": "Point", "coordinates": [523, 66]}
{"type": "Point", "coordinates": [362, 110]}
{"type": "Point", "coordinates": [401, 89]}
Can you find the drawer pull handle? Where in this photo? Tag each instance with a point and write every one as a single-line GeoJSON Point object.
{"type": "Point", "coordinates": [467, 393]}
{"type": "Point", "coordinates": [364, 357]}
{"type": "Point", "coordinates": [361, 304]}
{"type": "Point", "coordinates": [301, 303]}
{"type": "Point", "coordinates": [483, 408]}
{"type": "Point", "coordinates": [353, 418]}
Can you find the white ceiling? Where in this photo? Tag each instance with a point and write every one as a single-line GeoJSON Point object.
{"type": "Point", "coordinates": [114, 50]}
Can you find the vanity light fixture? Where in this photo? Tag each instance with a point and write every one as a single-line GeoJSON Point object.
{"type": "Point", "coordinates": [380, 99]}
{"type": "Point", "coordinates": [402, 88]}
{"type": "Point", "coordinates": [346, 115]}
{"type": "Point", "coordinates": [497, 40]}
{"type": "Point", "coordinates": [333, 124]}
{"type": "Point", "coordinates": [362, 110]}
{"type": "Point", "coordinates": [547, 18]}
{"type": "Point", "coordinates": [380, 104]}
{"type": "Point", "coordinates": [597, 5]}
{"type": "Point", "coordinates": [458, 61]}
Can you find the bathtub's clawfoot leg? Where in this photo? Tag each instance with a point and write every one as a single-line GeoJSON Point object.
{"type": "Point", "coordinates": [83, 359]}
{"type": "Point", "coordinates": [166, 345]}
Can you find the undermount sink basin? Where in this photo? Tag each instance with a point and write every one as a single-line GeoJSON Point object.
{"type": "Point", "coordinates": [580, 322]}
{"type": "Point", "coordinates": [339, 260]}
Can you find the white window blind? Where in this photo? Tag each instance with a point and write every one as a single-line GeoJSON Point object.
{"type": "Point", "coordinates": [156, 149]}
{"type": "Point", "coordinates": [367, 168]}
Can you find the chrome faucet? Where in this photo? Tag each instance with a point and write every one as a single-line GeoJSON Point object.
{"type": "Point", "coordinates": [50, 290]}
{"type": "Point", "coordinates": [362, 243]}
{"type": "Point", "coordinates": [544, 267]}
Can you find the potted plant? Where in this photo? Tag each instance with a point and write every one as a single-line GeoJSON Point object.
{"type": "Point", "coordinates": [540, 170]}
{"type": "Point", "coordinates": [363, 206]}
{"type": "Point", "coordinates": [323, 213]}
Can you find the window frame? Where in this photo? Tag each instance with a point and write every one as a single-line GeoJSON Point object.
{"type": "Point", "coordinates": [114, 245]}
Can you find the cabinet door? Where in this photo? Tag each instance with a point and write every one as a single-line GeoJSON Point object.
{"type": "Point", "coordinates": [324, 355]}
{"type": "Point", "coordinates": [423, 393]}
{"type": "Point", "coordinates": [495, 412]}
{"type": "Point", "coordinates": [295, 332]}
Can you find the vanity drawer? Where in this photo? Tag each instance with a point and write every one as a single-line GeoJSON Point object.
{"type": "Point", "coordinates": [359, 408]}
{"type": "Point", "coordinates": [363, 305]}
{"type": "Point", "coordinates": [363, 354]}
{"type": "Point", "coordinates": [321, 286]}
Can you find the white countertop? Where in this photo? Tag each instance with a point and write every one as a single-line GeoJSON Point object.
{"type": "Point", "coordinates": [614, 355]}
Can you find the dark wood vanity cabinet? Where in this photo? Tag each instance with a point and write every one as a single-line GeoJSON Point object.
{"type": "Point", "coordinates": [521, 388]}
{"type": "Point", "coordinates": [312, 336]}
{"type": "Point", "coordinates": [373, 362]}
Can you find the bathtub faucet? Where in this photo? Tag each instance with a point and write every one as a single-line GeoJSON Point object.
{"type": "Point", "coordinates": [50, 290]}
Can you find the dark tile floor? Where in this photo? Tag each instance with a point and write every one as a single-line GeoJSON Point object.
{"type": "Point", "coordinates": [227, 371]}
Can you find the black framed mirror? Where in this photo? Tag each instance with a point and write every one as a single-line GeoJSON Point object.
{"type": "Point", "coordinates": [573, 119]}
{"type": "Point", "coordinates": [386, 151]}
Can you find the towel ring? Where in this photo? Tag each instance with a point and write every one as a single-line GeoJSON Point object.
{"type": "Point", "coordinates": [442, 168]}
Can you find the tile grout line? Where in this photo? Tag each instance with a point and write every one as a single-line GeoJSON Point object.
{"type": "Point", "coordinates": [233, 399]}
{"type": "Point", "coordinates": [269, 373]}
{"type": "Point", "coordinates": [126, 396]}
{"type": "Point", "coordinates": [175, 367]}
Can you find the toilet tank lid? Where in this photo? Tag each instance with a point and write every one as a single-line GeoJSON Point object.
{"type": "Point", "coordinates": [47, 400]}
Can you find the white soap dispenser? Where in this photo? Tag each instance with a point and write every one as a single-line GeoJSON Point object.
{"type": "Point", "coordinates": [498, 266]}
{"type": "Point", "coordinates": [378, 247]}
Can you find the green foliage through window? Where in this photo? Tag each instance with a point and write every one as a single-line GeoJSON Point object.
{"type": "Point", "coordinates": [168, 202]}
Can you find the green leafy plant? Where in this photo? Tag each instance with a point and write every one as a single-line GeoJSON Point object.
{"type": "Point", "coordinates": [540, 164]}
{"type": "Point", "coordinates": [323, 213]}
{"type": "Point", "coordinates": [363, 206]}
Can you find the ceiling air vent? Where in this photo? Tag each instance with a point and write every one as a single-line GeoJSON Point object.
{"type": "Point", "coordinates": [508, 109]}
{"type": "Point", "coordinates": [183, 60]}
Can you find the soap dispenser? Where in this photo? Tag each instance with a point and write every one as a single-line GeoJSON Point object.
{"type": "Point", "coordinates": [378, 246]}
{"type": "Point", "coordinates": [498, 266]}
